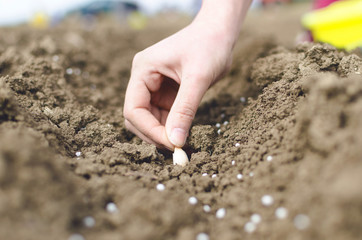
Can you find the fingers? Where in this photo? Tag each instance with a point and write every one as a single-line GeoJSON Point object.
{"type": "Point", "coordinates": [183, 111]}
{"type": "Point", "coordinates": [134, 130]}
{"type": "Point", "coordinates": [139, 115]}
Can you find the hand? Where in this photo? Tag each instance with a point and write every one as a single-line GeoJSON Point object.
{"type": "Point", "coordinates": [169, 79]}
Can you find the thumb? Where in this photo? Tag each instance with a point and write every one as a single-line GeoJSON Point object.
{"type": "Point", "coordinates": [183, 110]}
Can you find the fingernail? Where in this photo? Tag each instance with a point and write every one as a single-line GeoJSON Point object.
{"type": "Point", "coordinates": [178, 137]}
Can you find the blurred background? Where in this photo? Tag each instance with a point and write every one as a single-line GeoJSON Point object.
{"type": "Point", "coordinates": [338, 23]}
{"type": "Point", "coordinates": [14, 12]}
{"type": "Point", "coordinates": [19, 11]}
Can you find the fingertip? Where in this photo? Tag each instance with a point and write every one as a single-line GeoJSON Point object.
{"type": "Point", "coordinates": [178, 137]}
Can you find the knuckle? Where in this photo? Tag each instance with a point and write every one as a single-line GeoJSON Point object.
{"type": "Point", "coordinates": [186, 111]}
{"type": "Point", "coordinates": [127, 113]}
{"type": "Point", "coordinates": [127, 124]}
{"type": "Point", "coordinates": [137, 58]}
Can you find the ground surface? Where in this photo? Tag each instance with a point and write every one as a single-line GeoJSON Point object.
{"type": "Point", "coordinates": [291, 125]}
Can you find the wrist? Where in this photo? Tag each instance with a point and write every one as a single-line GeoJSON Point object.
{"type": "Point", "coordinates": [223, 18]}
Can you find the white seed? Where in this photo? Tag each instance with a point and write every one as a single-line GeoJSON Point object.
{"type": "Point", "coordinates": [267, 200]}
{"type": "Point", "coordinates": [214, 175]}
{"type": "Point", "coordinates": [249, 227]}
{"type": "Point", "coordinates": [222, 115]}
{"type": "Point", "coordinates": [237, 144]}
{"type": "Point", "coordinates": [218, 125]}
{"type": "Point", "coordinates": [204, 174]}
{"type": "Point", "coordinates": [269, 158]}
{"type": "Point", "coordinates": [220, 213]}
{"type": "Point", "coordinates": [219, 131]}
{"type": "Point", "coordinates": [239, 176]}
{"type": "Point", "coordinates": [281, 213]}
{"type": "Point", "coordinates": [251, 174]}
{"type": "Point", "coordinates": [69, 71]}
{"type": "Point", "coordinates": [202, 236]}
{"type": "Point", "coordinates": [358, 73]}
{"type": "Point", "coordinates": [78, 154]}
{"type": "Point", "coordinates": [193, 200]}
{"type": "Point", "coordinates": [233, 162]}
{"type": "Point", "coordinates": [111, 207]}
{"type": "Point", "coordinates": [207, 208]}
{"type": "Point", "coordinates": [160, 187]}
{"type": "Point", "coordinates": [89, 222]}
{"type": "Point", "coordinates": [76, 236]}
{"type": "Point", "coordinates": [180, 157]}
{"type": "Point", "coordinates": [226, 123]}
{"type": "Point", "coordinates": [301, 221]}
{"type": "Point", "coordinates": [242, 99]}
{"type": "Point", "coordinates": [255, 218]}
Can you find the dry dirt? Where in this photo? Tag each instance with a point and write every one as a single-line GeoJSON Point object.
{"type": "Point", "coordinates": [290, 122]}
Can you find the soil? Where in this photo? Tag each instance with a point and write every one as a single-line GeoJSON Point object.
{"type": "Point", "coordinates": [290, 122]}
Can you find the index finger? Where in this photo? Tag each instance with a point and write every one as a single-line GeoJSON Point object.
{"type": "Point", "coordinates": [137, 110]}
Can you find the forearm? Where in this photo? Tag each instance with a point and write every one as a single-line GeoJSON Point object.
{"type": "Point", "coordinates": [225, 17]}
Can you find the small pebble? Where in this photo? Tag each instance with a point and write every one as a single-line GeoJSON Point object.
{"type": "Point", "coordinates": [281, 213]}
{"type": "Point", "coordinates": [77, 71]}
{"type": "Point", "coordinates": [85, 75]}
{"type": "Point", "coordinates": [207, 208]}
{"type": "Point", "coordinates": [226, 123]}
{"type": "Point", "coordinates": [239, 176]}
{"type": "Point", "coordinates": [89, 222]}
{"type": "Point", "coordinates": [193, 200]}
{"type": "Point", "coordinates": [220, 213]}
{"type": "Point", "coordinates": [160, 187]}
{"type": "Point", "coordinates": [204, 174]}
{"type": "Point", "coordinates": [251, 174]}
{"type": "Point", "coordinates": [78, 154]}
{"type": "Point", "coordinates": [269, 158]}
{"type": "Point", "coordinates": [55, 58]}
{"type": "Point", "coordinates": [358, 73]}
{"type": "Point", "coordinates": [69, 71]}
{"type": "Point", "coordinates": [255, 218]}
{"type": "Point", "coordinates": [218, 125]}
{"type": "Point", "coordinates": [111, 207]}
{"type": "Point", "coordinates": [219, 131]}
{"type": "Point", "coordinates": [267, 200]}
{"type": "Point", "coordinates": [242, 99]}
{"type": "Point", "coordinates": [233, 162]}
{"type": "Point", "coordinates": [237, 144]}
{"type": "Point", "coordinates": [76, 236]}
{"type": "Point", "coordinates": [249, 227]}
{"type": "Point", "coordinates": [301, 221]}
{"type": "Point", "coordinates": [213, 175]}
{"type": "Point", "coordinates": [202, 236]}
{"type": "Point", "coordinates": [93, 86]}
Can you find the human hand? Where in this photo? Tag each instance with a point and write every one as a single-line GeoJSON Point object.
{"type": "Point", "coordinates": [169, 79]}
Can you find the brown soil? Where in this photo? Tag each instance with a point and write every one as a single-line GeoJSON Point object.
{"type": "Point", "coordinates": [61, 94]}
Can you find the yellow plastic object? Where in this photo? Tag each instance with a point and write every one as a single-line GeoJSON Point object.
{"type": "Point", "coordinates": [339, 24]}
{"type": "Point", "coordinates": [137, 21]}
{"type": "Point", "coordinates": [40, 20]}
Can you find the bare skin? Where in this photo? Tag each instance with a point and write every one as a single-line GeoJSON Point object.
{"type": "Point", "coordinates": [169, 79]}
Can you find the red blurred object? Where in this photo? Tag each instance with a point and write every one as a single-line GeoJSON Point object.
{"type": "Point", "coordinates": [322, 3]}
